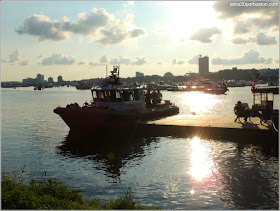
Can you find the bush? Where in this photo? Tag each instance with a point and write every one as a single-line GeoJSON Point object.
{"type": "Point", "coordinates": [51, 194]}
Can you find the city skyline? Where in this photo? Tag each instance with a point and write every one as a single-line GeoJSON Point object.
{"type": "Point", "coordinates": [79, 40]}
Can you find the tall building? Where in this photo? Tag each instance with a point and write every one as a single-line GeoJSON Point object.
{"type": "Point", "coordinates": [203, 65]}
{"type": "Point", "coordinates": [40, 78]}
{"type": "Point", "coordinates": [138, 74]}
{"type": "Point", "coordinates": [59, 79]}
{"type": "Point", "coordinates": [50, 80]}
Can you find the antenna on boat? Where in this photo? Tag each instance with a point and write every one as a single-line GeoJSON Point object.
{"type": "Point", "coordinates": [119, 71]}
{"type": "Point", "coordinates": [106, 70]}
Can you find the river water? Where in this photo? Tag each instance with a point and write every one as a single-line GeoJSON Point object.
{"type": "Point", "coordinates": [168, 172]}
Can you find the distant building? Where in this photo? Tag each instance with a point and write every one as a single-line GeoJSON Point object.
{"type": "Point", "coordinates": [59, 79]}
{"type": "Point", "coordinates": [203, 65]}
{"type": "Point", "coordinates": [40, 78]}
{"type": "Point", "coordinates": [50, 80]}
{"type": "Point", "coordinates": [29, 81]}
{"type": "Point", "coordinates": [168, 75]}
{"type": "Point", "coordinates": [138, 74]}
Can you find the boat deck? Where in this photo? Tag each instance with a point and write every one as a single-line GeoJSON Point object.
{"type": "Point", "coordinates": [209, 125]}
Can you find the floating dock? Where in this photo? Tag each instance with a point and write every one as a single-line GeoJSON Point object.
{"type": "Point", "coordinates": [217, 126]}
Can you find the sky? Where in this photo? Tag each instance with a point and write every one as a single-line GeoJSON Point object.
{"type": "Point", "coordinates": [77, 39]}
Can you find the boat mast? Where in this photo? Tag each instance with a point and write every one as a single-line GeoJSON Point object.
{"type": "Point", "coordinates": [106, 71]}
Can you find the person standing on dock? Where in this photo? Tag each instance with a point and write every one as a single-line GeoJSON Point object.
{"type": "Point", "coordinates": [154, 97]}
{"type": "Point", "coordinates": [159, 96]}
{"type": "Point", "coordinates": [148, 99]}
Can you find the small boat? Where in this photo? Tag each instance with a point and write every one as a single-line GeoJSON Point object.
{"type": "Point", "coordinates": [216, 89]}
{"type": "Point", "coordinates": [113, 106]}
{"type": "Point", "coordinates": [39, 87]}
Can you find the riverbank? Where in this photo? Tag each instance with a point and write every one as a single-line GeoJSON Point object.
{"type": "Point", "coordinates": [51, 194]}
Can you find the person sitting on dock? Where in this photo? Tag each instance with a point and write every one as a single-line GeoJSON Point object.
{"type": "Point", "coordinates": [154, 98]}
{"type": "Point", "coordinates": [240, 111]}
{"type": "Point", "coordinates": [148, 99]}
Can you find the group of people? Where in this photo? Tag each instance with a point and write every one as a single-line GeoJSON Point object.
{"type": "Point", "coordinates": [152, 99]}
{"type": "Point", "coordinates": [244, 111]}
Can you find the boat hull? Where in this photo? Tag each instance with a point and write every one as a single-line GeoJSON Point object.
{"type": "Point", "coordinates": [92, 119]}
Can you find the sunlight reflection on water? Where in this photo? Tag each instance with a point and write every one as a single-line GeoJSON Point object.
{"type": "Point", "coordinates": [201, 161]}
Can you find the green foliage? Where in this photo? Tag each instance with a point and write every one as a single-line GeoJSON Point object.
{"type": "Point", "coordinates": [51, 194]}
{"type": "Point", "coordinates": [125, 202]}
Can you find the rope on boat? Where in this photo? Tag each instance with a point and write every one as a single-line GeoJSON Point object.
{"type": "Point", "coordinates": [275, 128]}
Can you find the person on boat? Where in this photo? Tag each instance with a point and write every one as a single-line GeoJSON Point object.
{"type": "Point", "coordinates": [266, 113]}
{"type": "Point", "coordinates": [159, 96]}
{"type": "Point", "coordinates": [240, 111]}
{"type": "Point", "coordinates": [154, 97]}
{"type": "Point", "coordinates": [148, 99]}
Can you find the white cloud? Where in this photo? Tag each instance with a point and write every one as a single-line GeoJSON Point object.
{"type": "Point", "coordinates": [180, 61]}
{"type": "Point", "coordinates": [83, 62]}
{"type": "Point", "coordinates": [249, 57]}
{"type": "Point", "coordinates": [204, 35]}
{"type": "Point", "coordinates": [246, 19]}
{"type": "Point", "coordinates": [120, 60]}
{"type": "Point", "coordinates": [58, 59]}
{"type": "Point", "coordinates": [100, 25]}
{"type": "Point", "coordinates": [25, 62]}
{"type": "Point", "coordinates": [194, 60]}
{"type": "Point", "coordinates": [42, 27]}
{"type": "Point", "coordinates": [259, 39]}
{"type": "Point", "coordinates": [16, 58]}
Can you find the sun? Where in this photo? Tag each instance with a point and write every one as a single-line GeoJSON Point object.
{"type": "Point", "coordinates": [188, 16]}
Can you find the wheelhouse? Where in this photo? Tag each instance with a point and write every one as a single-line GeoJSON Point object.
{"type": "Point", "coordinates": [263, 96]}
{"type": "Point", "coordinates": [119, 99]}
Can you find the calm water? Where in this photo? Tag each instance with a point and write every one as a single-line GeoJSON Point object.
{"type": "Point", "coordinates": [169, 172]}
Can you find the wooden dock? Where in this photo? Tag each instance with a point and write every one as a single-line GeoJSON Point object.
{"type": "Point", "coordinates": [221, 126]}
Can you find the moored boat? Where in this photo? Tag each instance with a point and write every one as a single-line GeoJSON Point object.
{"type": "Point", "coordinates": [113, 106]}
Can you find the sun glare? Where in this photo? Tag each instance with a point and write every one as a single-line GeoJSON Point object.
{"type": "Point", "coordinates": [198, 102]}
{"type": "Point", "coordinates": [188, 16]}
{"type": "Point", "coordinates": [201, 162]}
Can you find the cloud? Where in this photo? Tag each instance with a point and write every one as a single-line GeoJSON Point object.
{"type": "Point", "coordinates": [58, 59]}
{"type": "Point", "coordinates": [103, 59]}
{"type": "Point", "coordinates": [42, 27]}
{"type": "Point", "coordinates": [239, 40]}
{"type": "Point", "coordinates": [247, 18]}
{"type": "Point", "coordinates": [174, 61]}
{"type": "Point", "coordinates": [230, 9]}
{"type": "Point", "coordinates": [83, 62]}
{"type": "Point", "coordinates": [194, 60]}
{"type": "Point", "coordinates": [204, 35]}
{"type": "Point", "coordinates": [16, 58]}
{"type": "Point", "coordinates": [249, 57]}
{"type": "Point", "coordinates": [120, 60]}
{"type": "Point", "coordinates": [100, 25]}
{"type": "Point", "coordinates": [260, 39]}
{"type": "Point", "coordinates": [263, 39]}
{"type": "Point", "coordinates": [25, 62]}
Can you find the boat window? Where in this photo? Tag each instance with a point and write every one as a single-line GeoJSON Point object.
{"type": "Point", "coordinates": [118, 96]}
{"type": "Point", "coordinates": [100, 96]}
{"type": "Point", "coordinates": [136, 94]}
{"type": "Point", "coordinates": [127, 95]}
{"type": "Point", "coordinates": [94, 96]}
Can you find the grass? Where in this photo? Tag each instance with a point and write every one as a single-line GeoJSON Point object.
{"type": "Point", "coordinates": [51, 194]}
